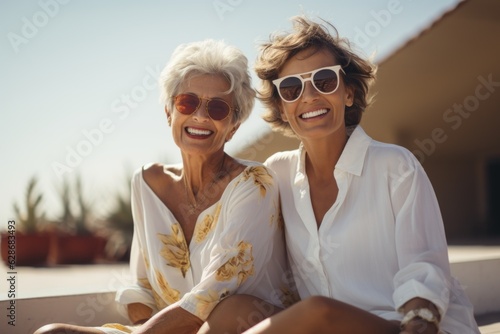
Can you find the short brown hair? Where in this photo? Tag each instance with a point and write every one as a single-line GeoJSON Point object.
{"type": "Point", "coordinates": [359, 73]}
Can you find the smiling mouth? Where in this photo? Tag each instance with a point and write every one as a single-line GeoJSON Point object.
{"type": "Point", "coordinates": [315, 113]}
{"type": "Point", "coordinates": [198, 132]}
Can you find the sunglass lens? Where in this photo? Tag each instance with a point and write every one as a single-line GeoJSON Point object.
{"type": "Point", "coordinates": [218, 109]}
{"type": "Point", "coordinates": [326, 81]}
{"type": "Point", "coordinates": [186, 103]}
{"type": "Point", "coordinates": [290, 88]}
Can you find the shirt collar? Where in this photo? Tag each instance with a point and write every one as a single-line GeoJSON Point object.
{"type": "Point", "coordinates": [300, 173]}
{"type": "Point", "coordinates": [352, 158]}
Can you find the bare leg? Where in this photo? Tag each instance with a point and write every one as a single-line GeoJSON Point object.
{"type": "Point", "coordinates": [67, 329]}
{"type": "Point", "coordinates": [318, 315]}
{"type": "Point", "coordinates": [236, 314]}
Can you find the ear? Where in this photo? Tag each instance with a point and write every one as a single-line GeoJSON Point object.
{"type": "Point", "coordinates": [232, 132]}
{"type": "Point", "coordinates": [349, 96]}
{"type": "Point", "coordinates": [169, 116]}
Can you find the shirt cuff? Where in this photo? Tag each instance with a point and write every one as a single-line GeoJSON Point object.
{"type": "Point", "coordinates": [415, 289]}
{"type": "Point", "coordinates": [134, 294]}
{"type": "Point", "coordinates": [201, 303]}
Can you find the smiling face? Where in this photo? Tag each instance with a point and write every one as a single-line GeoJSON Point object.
{"type": "Point", "coordinates": [197, 133]}
{"type": "Point", "coordinates": [314, 114]}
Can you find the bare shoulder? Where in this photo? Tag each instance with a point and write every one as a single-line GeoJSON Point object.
{"type": "Point", "coordinates": [159, 175]}
{"type": "Point", "coordinates": [235, 167]}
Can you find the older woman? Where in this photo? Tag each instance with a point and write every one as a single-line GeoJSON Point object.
{"type": "Point", "coordinates": [209, 227]}
{"type": "Point", "coordinates": [363, 227]}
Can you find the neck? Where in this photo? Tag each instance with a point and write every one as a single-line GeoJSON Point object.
{"type": "Point", "coordinates": [322, 154]}
{"type": "Point", "coordinates": [200, 172]}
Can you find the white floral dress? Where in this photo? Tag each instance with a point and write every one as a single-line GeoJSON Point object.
{"type": "Point", "coordinates": [237, 247]}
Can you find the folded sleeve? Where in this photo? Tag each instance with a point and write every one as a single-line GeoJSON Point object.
{"type": "Point", "coordinates": [420, 239]}
{"type": "Point", "coordinates": [250, 223]}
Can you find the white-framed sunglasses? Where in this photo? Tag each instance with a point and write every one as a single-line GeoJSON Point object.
{"type": "Point", "coordinates": [325, 80]}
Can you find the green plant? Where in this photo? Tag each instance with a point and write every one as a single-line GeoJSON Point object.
{"type": "Point", "coordinates": [66, 219]}
{"type": "Point", "coordinates": [69, 221]}
{"type": "Point", "coordinates": [84, 210]}
{"type": "Point", "coordinates": [30, 221]}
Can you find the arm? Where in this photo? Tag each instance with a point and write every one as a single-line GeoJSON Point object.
{"type": "Point", "coordinates": [138, 313]}
{"type": "Point", "coordinates": [248, 231]}
{"type": "Point", "coordinates": [136, 300]}
{"type": "Point", "coordinates": [423, 277]}
{"type": "Point", "coordinates": [242, 246]}
{"type": "Point", "coordinates": [170, 319]}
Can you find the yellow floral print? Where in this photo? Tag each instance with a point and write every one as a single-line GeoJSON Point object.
{"type": "Point", "coordinates": [125, 329]}
{"type": "Point", "coordinates": [206, 302]}
{"type": "Point", "coordinates": [160, 303]}
{"type": "Point", "coordinates": [144, 282]}
{"type": "Point", "coordinates": [207, 224]}
{"type": "Point", "coordinates": [281, 221]}
{"type": "Point", "coordinates": [225, 293]}
{"type": "Point", "coordinates": [288, 297]}
{"type": "Point", "coordinates": [175, 249]}
{"type": "Point", "coordinates": [261, 177]}
{"type": "Point", "coordinates": [168, 293]}
{"type": "Point", "coordinates": [277, 217]}
{"type": "Point", "coordinates": [146, 259]}
{"type": "Point", "coordinates": [240, 265]}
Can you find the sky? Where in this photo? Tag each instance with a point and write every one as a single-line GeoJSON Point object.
{"type": "Point", "coordinates": [78, 87]}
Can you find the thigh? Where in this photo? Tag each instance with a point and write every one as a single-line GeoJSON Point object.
{"type": "Point", "coordinates": [322, 315]}
{"type": "Point", "coordinates": [67, 329]}
{"type": "Point", "coordinates": [237, 313]}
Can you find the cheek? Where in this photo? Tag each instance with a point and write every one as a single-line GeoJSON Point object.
{"type": "Point", "coordinates": [283, 112]}
{"type": "Point", "coordinates": [175, 126]}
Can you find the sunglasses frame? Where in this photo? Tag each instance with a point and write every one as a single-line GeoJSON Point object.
{"type": "Point", "coordinates": [334, 68]}
{"type": "Point", "coordinates": [200, 99]}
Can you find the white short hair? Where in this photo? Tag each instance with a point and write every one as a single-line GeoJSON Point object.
{"type": "Point", "coordinates": [209, 57]}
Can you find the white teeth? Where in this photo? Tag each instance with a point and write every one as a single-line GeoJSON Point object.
{"type": "Point", "coordinates": [198, 132]}
{"type": "Point", "coordinates": [314, 113]}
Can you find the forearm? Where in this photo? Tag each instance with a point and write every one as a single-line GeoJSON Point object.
{"type": "Point", "coordinates": [139, 313]}
{"type": "Point", "coordinates": [171, 319]}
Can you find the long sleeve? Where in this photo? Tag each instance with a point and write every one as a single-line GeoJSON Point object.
{"type": "Point", "coordinates": [140, 291]}
{"type": "Point", "coordinates": [249, 229]}
{"type": "Point", "coordinates": [420, 239]}
{"type": "Point", "coordinates": [381, 244]}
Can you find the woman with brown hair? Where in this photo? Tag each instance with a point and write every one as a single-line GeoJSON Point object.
{"type": "Point", "coordinates": [363, 227]}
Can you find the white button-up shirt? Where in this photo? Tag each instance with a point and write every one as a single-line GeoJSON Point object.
{"type": "Point", "coordinates": [381, 243]}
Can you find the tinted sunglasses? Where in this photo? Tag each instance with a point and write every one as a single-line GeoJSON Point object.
{"type": "Point", "coordinates": [325, 80]}
{"type": "Point", "coordinates": [188, 103]}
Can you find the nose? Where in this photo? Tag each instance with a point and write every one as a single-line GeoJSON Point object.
{"type": "Point", "coordinates": [310, 93]}
{"type": "Point", "coordinates": [201, 113]}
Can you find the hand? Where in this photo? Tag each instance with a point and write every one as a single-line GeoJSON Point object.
{"type": "Point", "coordinates": [419, 326]}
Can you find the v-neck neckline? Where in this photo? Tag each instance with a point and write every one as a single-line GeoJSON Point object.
{"type": "Point", "coordinates": [201, 214]}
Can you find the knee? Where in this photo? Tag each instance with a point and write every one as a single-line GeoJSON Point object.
{"type": "Point", "coordinates": [235, 301]}
{"type": "Point", "coordinates": [242, 304]}
{"type": "Point", "coordinates": [318, 303]}
{"type": "Point", "coordinates": [238, 313]}
{"type": "Point", "coordinates": [321, 307]}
